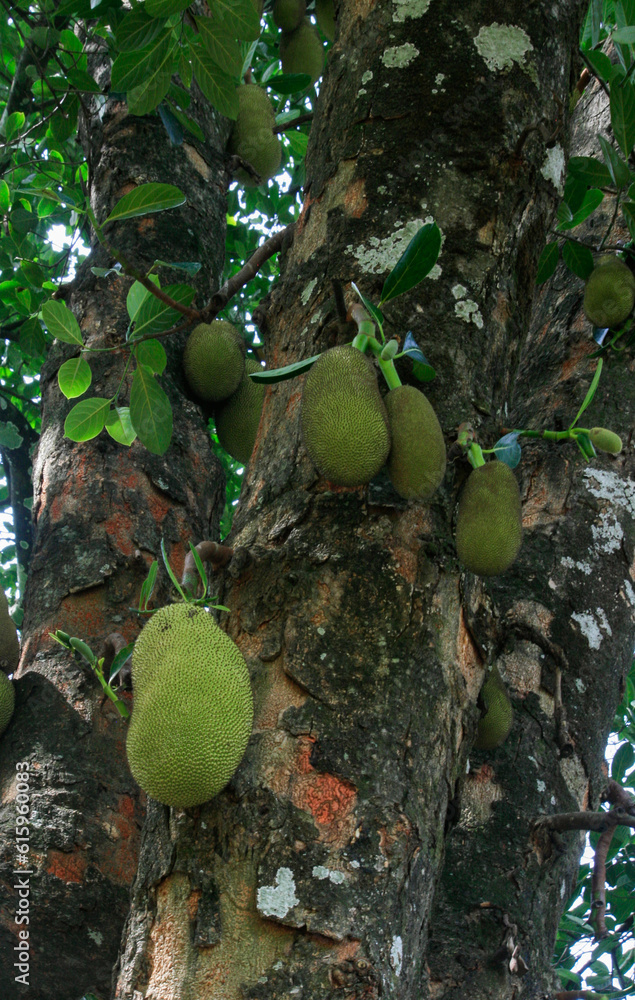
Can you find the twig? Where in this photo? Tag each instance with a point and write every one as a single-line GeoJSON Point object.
{"type": "Point", "coordinates": [598, 885]}
{"type": "Point", "coordinates": [246, 273]}
{"type": "Point", "coordinates": [597, 821]}
{"type": "Point", "coordinates": [300, 120]}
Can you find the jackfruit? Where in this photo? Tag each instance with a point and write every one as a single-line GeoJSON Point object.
{"type": "Point", "coordinates": [344, 420]}
{"type": "Point", "coordinates": [193, 708]}
{"type": "Point", "coordinates": [325, 14]}
{"type": "Point", "coordinates": [238, 417]}
{"type": "Point", "coordinates": [7, 701]}
{"type": "Point", "coordinates": [495, 725]}
{"type": "Point", "coordinates": [9, 642]}
{"type": "Point", "coordinates": [416, 463]}
{"type": "Point", "coordinates": [609, 294]}
{"type": "Point", "coordinates": [301, 51]}
{"type": "Point", "coordinates": [287, 14]}
{"type": "Point", "coordinates": [489, 527]}
{"type": "Point", "coordinates": [605, 440]}
{"type": "Point", "coordinates": [214, 360]}
{"type": "Point", "coordinates": [252, 136]}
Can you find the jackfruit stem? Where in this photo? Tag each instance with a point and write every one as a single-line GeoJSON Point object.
{"type": "Point", "coordinates": [360, 342]}
{"type": "Point", "coordinates": [389, 372]}
{"type": "Point", "coordinates": [475, 455]}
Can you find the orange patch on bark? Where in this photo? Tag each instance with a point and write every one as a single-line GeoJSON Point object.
{"type": "Point", "coordinates": [292, 402]}
{"type": "Point", "coordinates": [192, 904]}
{"type": "Point", "coordinates": [329, 799]}
{"type": "Point", "coordinates": [470, 660]}
{"type": "Point", "coordinates": [355, 201]}
{"type": "Point", "coordinates": [67, 867]}
{"type": "Point", "coordinates": [83, 614]}
{"type": "Point", "coordinates": [119, 527]}
{"type": "Point", "coordinates": [119, 858]}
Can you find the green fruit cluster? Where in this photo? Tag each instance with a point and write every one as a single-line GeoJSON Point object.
{"type": "Point", "coordinates": [609, 294]}
{"type": "Point", "coordinates": [214, 360]}
{"type": "Point", "coordinates": [416, 463]}
{"type": "Point", "coordinates": [9, 642]}
{"type": "Point", "coordinates": [193, 708]}
{"type": "Point", "coordinates": [489, 521]}
{"type": "Point", "coordinates": [344, 421]}
{"type": "Point", "coordinates": [252, 137]}
{"type": "Point", "coordinates": [237, 418]}
{"type": "Point", "coordinates": [495, 725]}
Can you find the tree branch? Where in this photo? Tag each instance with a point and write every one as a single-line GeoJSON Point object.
{"type": "Point", "coordinates": [597, 821]}
{"type": "Point", "coordinates": [246, 273]}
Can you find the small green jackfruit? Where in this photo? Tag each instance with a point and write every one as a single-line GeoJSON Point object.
{"type": "Point", "coordinates": [214, 360]}
{"type": "Point", "coordinates": [7, 701]}
{"type": "Point", "coordinates": [344, 420]}
{"type": "Point", "coordinates": [252, 136]}
{"type": "Point", "coordinates": [301, 51]}
{"type": "Point", "coordinates": [489, 528]}
{"type": "Point", "coordinates": [495, 725]}
{"type": "Point", "coordinates": [287, 14]}
{"type": "Point", "coordinates": [605, 440]}
{"type": "Point", "coordinates": [9, 642]}
{"type": "Point", "coordinates": [238, 417]}
{"type": "Point", "coordinates": [325, 14]}
{"type": "Point", "coordinates": [609, 294]}
{"type": "Point", "coordinates": [416, 463]}
{"type": "Point", "coordinates": [193, 708]}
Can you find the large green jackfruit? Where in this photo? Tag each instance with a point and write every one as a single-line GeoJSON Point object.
{"type": "Point", "coordinates": [193, 708]}
{"type": "Point", "coordinates": [252, 136]}
{"type": "Point", "coordinates": [344, 420]}
{"type": "Point", "coordinates": [609, 294]}
{"type": "Point", "coordinates": [287, 14]}
{"type": "Point", "coordinates": [238, 417]}
{"type": "Point", "coordinates": [495, 725]}
{"type": "Point", "coordinates": [7, 701]}
{"type": "Point", "coordinates": [325, 14]}
{"type": "Point", "coordinates": [9, 642]}
{"type": "Point", "coordinates": [214, 360]}
{"type": "Point", "coordinates": [416, 463]}
{"type": "Point", "coordinates": [301, 51]}
{"type": "Point", "coordinates": [489, 527]}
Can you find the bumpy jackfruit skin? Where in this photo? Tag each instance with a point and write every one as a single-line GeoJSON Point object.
{"type": "Point", "coordinates": [609, 294]}
{"type": "Point", "coordinates": [344, 420]}
{"type": "Point", "coordinates": [7, 701]}
{"type": "Point", "coordinates": [238, 417]}
{"type": "Point", "coordinates": [287, 14]}
{"type": "Point", "coordinates": [9, 642]}
{"type": "Point", "coordinates": [495, 725]}
{"type": "Point", "coordinates": [193, 708]}
{"type": "Point", "coordinates": [416, 463]}
{"type": "Point", "coordinates": [489, 529]}
{"type": "Point", "coordinates": [214, 360]}
{"type": "Point", "coordinates": [605, 440]}
{"type": "Point", "coordinates": [325, 15]}
{"type": "Point", "coordinates": [301, 51]}
{"type": "Point", "coordinates": [252, 137]}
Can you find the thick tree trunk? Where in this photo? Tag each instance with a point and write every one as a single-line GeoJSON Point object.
{"type": "Point", "coordinates": [314, 873]}
{"type": "Point", "coordinates": [100, 514]}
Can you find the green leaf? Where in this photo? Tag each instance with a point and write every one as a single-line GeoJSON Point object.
{"type": "Point", "coordinates": [10, 437]}
{"type": "Point", "coordinates": [201, 569]}
{"type": "Point", "coordinates": [14, 123]}
{"type": "Point", "coordinates": [74, 377]}
{"type": "Point", "coordinates": [145, 199]}
{"type": "Point", "coordinates": [148, 585]}
{"type": "Point", "coordinates": [591, 392]}
{"type": "Point", "coordinates": [626, 36]}
{"type": "Point", "coordinates": [282, 374]}
{"type": "Point", "coordinates": [86, 419]}
{"type": "Point", "coordinates": [170, 571]}
{"type": "Point", "coordinates": [137, 30]}
{"type": "Point", "coordinates": [240, 17]}
{"type": "Point", "coordinates": [578, 259]}
{"type": "Point", "coordinates": [590, 170]}
{"type": "Point", "coordinates": [61, 323]}
{"type": "Point", "coordinates": [289, 83]}
{"type": "Point", "coordinates": [220, 45]}
{"type": "Point", "coordinates": [152, 354]}
{"type": "Point", "coordinates": [298, 142]}
{"type": "Point", "coordinates": [5, 196]}
{"type": "Point", "coordinates": [371, 309]}
{"type": "Point", "coordinates": [601, 64]}
{"type": "Point", "coordinates": [622, 762]}
{"type": "Point", "coordinates": [33, 273]}
{"type": "Point", "coordinates": [163, 8]}
{"type": "Point", "coordinates": [119, 426]}
{"type": "Point", "coordinates": [154, 316]}
{"type": "Point", "coordinates": [83, 81]}
{"type": "Point", "coordinates": [628, 208]}
{"type": "Point", "coordinates": [547, 263]}
{"type": "Point", "coordinates": [32, 341]}
{"type": "Point", "coordinates": [423, 371]}
{"type": "Point", "coordinates": [130, 69]}
{"type": "Point", "coordinates": [218, 87]}
{"type": "Point", "coordinates": [150, 411]}
{"type": "Point", "coordinates": [149, 94]}
{"type": "Point", "coordinates": [617, 167]}
{"type": "Point", "coordinates": [415, 263]}
{"type": "Point", "coordinates": [137, 295]}
{"type": "Point", "coordinates": [115, 667]}
{"type": "Point", "coordinates": [623, 116]}
{"type": "Point", "coordinates": [591, 200]}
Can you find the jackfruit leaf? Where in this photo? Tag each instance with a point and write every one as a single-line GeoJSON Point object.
{"type": "Point", "coordinates": [578, 259]}
{"type": "Point", "coordinates": [32, 341]}
{"type": "Point", "coordinates": [240, 17]}
{"type": "Point", "coordinates": [147, 587]}
{"type": "Point", "coordinates": [150, 411]}
{"type": "Point", "coordinates": [289, 83]}
{"type": "Point", "coordinates": [9, 435]}
{"type": "Point", "coordinates": [281, 374]}
{"type": "Point", "coordinates": [373, 311]}
{"type": "Point", "coordinates": [585, 445]}
{"type": "Point", "coordinates": [5, 196]}
{"type": "Point", "coordinates": [507, 449]}
{"type": "Point", "coordinates": [145, 199]}
{"type": "Point", "coordinates": [220, 45]}
{"type": "Point", "coordinates": [155, 316]}
{"type": "Point", "coordinates": [590, 392]}
{"type": "Point", "coordinates": [13, 125]}
{"type": "Point", "coordinates": [74, 377]}
{"type": "Point", "coordinates": [61, 323]}
{"type": "Point", "coordinates": [32, 272]}
{"type": "Point", "coordinates": [82, 81]}
{"type": "Point", "coordinates": [201, 569]}
{"type": "Point", "coordinates": [187, 122]}
{"type": "Point", "coordinates": [191, 268]}
{"type": "Point", "coordinates": [423, 372]}
{"type": "Point", "coordinates": [589, 170]}
{"type": "Point", "coordinates": [137, 29]}
{"type": "Point", "coordinates": [617, 167]}
{"type": "Point", "coordinates": [171, 125]}
{"type": "Point", "coordinates": [622, 106]}
{"type": "Point", "coordinates": [119, 426]}
{"type": "Point", "coordinates": [298, 142]}
{"type": "Point", "coordinates": [622, 762]}
{"type": "Point", "coordinates": [152, 354]}
{"type": "Point", "coordinates": [137, 295]}
{"type": "Point", "coordinates": [163, 8]}
{"type": "Point", "coordinates": [601, 64]}
{"type": "Point", "coordinates": [628, 207]}
{"type": "Point", "coordinates": [119, 661]}
{"type": "Point", "coordinates": [569, 220]}
{"type": "Point", "coordinates": [150, 93]}
{"type": "Point", "coordinates": [103, 272]}
{"type": "Point", "coordinates": [415, 263]}
{"type": "Point", "coordinates": [218, 87]}
{"type": "Point", "coordinates": [412, 349]}
{"type": "Point", "coordinates": [131, 69]}
{"type": "Point", "coordinates": [547, 262]}
{"type": "Point", "coordinates": [170, 571]}
{"type": "Point", "coordinates": [86, 419]}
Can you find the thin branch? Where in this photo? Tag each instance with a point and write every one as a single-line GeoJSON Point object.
{"type": "Point", "coordinates": [597, 821]}
{"type": "Point", "coordinates": [246, 273]}
{"type": "Point", "coordinates": [598, 885]}
{"type": "Point", "coordinates": [300, 120]}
